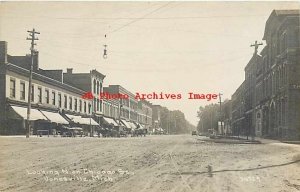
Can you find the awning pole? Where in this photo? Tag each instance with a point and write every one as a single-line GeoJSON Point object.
{"type": "Point", "coordinates": [91, 129]}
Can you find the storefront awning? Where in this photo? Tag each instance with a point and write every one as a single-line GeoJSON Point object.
{"type": "Point", "coordinates": [90, 121]}
{"type": "Point", "coordinates": [126, 124]}
{"type": "Point", "coordinates": [54, 117]}
{"type": "Point", "coordinates": [34, 113]}
{"type": "Point", "coordinates": [141, 126]}
{"type": "Point", "coordinates": [132, 125]}
{"type": "Point", "coordinates": [80, 120]}
{"type": "Point", "coordinates": [110, 121]}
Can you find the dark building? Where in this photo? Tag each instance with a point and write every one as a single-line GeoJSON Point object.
{"type": "Point", "coordinates": [251, 74]}
{"type": "Point", "coordinates": [267, 104]}
{"type": "Point", "coordinates": [277, 105]}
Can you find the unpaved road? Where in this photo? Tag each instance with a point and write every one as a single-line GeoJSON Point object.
{"type": "Point", "coordinates": [154, 163]}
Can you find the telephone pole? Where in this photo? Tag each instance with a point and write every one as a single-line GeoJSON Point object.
{"type": "Point", "coordinates": [252, 128]}
{"type": "Point", "coordinates": [220, 116]}
{"type": "Point", "coordinates": [256, 45]}
{"type": "Point", "coordinates": [33, 51]}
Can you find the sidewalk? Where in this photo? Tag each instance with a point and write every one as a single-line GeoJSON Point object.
{"type": "Point", "coordinates": [266, 141]}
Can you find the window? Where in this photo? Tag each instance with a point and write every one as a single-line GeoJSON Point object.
{"type": "Point", "coordinates": [59, 100]}
{"type": "Point", "coordinates": [90, 108]}
{"type": "Point", "coordinates": [94, 84]}
{"type": "Point", "coordinates": [70, 103]}
{"type": "Point", "coordinates": [100, 105]}
{"type": "Point", "coordinates": [75, 104]}
{"type": "Point", "coordinates": [32, 93]}
{"type": "Point", "coordinates": [80, 105]}
{"type": "Point", "coordinates": [40, 94]}
{"type": "Point", "coordinates": [84, 107]}
{"type": "Point", "coordinates": [66, 101]}
{"type": "Point", "coordinates": [53, 98]}
{"type": "Point", "coordinates": [22, 90]}
{"type": "Point", "coordinates": [47, 96]}
{"type": "Point", "coordinates": [12, 88]}
{"type": "Point", "coordinates": [97, 104]}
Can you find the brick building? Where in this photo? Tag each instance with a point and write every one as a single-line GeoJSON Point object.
{"type": "Point", "coordinates": [267, 104]}
{"type": "Point", "coordinates": [278, 78]}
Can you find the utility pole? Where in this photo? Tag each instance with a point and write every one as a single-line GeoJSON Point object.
{"type": "Point", "coordinates": [252, 128]}
{"type": "Point", "coordinates": [220, 116]}
{"type": "Point", "coordinates": [169, 123]}
{"type": "Point", "coordinates": [32, 38]}
{"type": "Point", "coordinates": [256, 45]}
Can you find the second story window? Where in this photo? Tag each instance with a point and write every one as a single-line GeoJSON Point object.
{"type": "Point", "coordinates": [12, 88]}
{"type": "Point", "coordinates": [22, 90]}
{"type": "Point", "coordinates": [94, 86]}
{"type": "Point", "coordinates": [75, 104]}
{"type": "Point", "coordinates": [47, 96]}
{"type": "Point", "coordinates": [53, 98]}
{"type": "Point", "coordinates": [32, 93]}
{"type": "Point", "coordinates": [66, 101]}
{"type": "Point", "coordinates": [84, 107]}
{"type": "Point", "coordinates": [59, 100]}
{"type": "Point", "coordinates": [80, 105]}
{"type": "Point", "coordinates": [40, 94]}
{"type": "Point", "coordinates": [70, 103]}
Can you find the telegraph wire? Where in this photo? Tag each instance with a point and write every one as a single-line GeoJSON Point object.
{"type": "Point", "coordinates": [139, 70]}
{"type": "Point", "coordinates": [139, 18]}
{"type": "Point", "coordinates": [147, 18]}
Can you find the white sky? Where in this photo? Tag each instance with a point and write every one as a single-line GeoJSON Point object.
{"type": "Point", "coordinates": [176, 47]}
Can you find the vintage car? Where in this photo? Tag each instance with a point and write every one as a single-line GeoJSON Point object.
{"type": "Point", "coordinates": [194, 132]}
{"type": "Point", "coordinates": [139, 132]}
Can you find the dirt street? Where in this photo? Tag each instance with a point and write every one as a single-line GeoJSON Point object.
{"type": "Point", "coordinates": [154, 163]}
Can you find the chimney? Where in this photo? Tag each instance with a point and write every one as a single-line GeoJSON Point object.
{"type": "Point", "coordinates": [3, 52]}
{"type": "Point", "coordinates": [69, 70]}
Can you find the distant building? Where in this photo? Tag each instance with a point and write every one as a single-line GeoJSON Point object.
{"type": "Point", "coordinates": [238, 111]}
{"type": "Point", "coordinates": [156, 116]}
{"type": "Point", "coordinates": [128, 107]}
{"type": "Point", "coordinates": [227, 117]}
{"type": "Point", "coordinates": [89, 82]}
{"type": "Point", "coordinates": [145, 114]}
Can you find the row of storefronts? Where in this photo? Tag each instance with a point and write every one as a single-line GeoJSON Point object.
{"type": "Point", "coordinates": [57, 99]}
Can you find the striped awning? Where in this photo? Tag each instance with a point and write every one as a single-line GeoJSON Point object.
{"type": "Point", "coordinates": [81, 120]}
{"type": "Point", "coordinates": [110, 121]}
{"type": "Point", "coordinates": [54, 117]}
{"type": "Point", "coordinates": [34, 113]}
